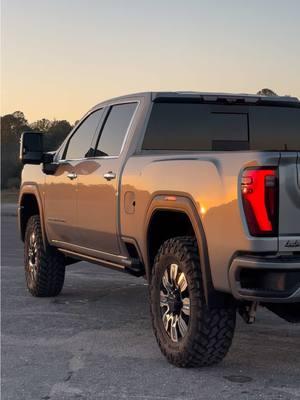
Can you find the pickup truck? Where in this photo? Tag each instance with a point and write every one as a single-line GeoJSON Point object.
{"type": "Point", "coordinates": [197, 192]}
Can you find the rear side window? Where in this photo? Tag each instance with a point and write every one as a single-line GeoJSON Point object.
{"type": "Point", "coordinates": [115, 129]}
{"type": "Point", "coordinates": [196, 127]}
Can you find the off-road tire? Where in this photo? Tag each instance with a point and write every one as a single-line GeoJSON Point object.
{"type": "Point", "coordinates": [210, 330]}
{"type": "Point", "coordinates": [47, 278]}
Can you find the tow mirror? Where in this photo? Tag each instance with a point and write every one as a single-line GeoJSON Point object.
{"type": "Point", "coordinates": [31, 148]}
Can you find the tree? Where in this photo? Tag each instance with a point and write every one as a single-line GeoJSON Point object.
{"type": "Point", "coordinates": [42, 125]}
{"type": "Point", "coordinates": [12, 125]}
{"type": "Point", "coordinates": [266, 92]}
{"type": "Point", "coordinates": [56, 134]}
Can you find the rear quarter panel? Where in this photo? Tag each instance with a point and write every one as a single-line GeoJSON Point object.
{"type": "Point", "coordinates": [211, 181]}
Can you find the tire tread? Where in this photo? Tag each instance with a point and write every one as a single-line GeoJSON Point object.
{"type": "Point", "coordinates": [215, 326]}
{"type": "Point", "coordinates": [51, 268]}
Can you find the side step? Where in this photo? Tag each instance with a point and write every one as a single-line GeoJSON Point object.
{"type": "Point", "coordinates": [132, 266]}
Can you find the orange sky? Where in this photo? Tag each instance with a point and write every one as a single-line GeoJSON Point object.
{"type": "Point", "coordinates": [60, 57]}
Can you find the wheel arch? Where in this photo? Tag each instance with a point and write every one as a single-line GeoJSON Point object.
{"type": "Point", "coordinates": [30, 203]}
{"type": "Point", "coordinates": [161, 207]}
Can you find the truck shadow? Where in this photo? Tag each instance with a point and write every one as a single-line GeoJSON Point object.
{"type": "Point", "coordinates": [108, 301]}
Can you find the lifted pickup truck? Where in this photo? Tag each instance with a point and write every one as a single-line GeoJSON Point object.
{"type": "Point", "coordinates": [198, 192]}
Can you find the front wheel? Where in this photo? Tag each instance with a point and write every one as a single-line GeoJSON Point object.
{"type": "Point", "coordinates": [44, 267]}
{"type": "Point", "coordinates": [188, 333]}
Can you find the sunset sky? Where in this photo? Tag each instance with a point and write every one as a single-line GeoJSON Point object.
{"type": "Point", "coordinates": [60, 57]}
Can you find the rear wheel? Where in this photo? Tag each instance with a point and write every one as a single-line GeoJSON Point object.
{"type": "Point", "coordinates": [188, 333]}
{"type": "Point", "coordinates": [44, 267]}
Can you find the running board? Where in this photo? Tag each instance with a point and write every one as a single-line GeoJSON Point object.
{"type": "Point", "coordinates": [132, 267]}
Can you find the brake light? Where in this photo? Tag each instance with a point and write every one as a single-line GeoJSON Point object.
{"type": "Point", "coordinates": [259, 188]}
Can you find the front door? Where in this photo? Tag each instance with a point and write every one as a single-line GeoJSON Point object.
{"type": "Point", "coordinates": [61, 188]}
{"type": "Point", "coordinates": [98, 181]}
{"type": "Point", "coordinates": [60, 203]}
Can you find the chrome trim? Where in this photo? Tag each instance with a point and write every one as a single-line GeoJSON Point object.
{"type": "Point", "coordinates": [109, 175]}
{"type": "Point", "coordinates": [51, 219]}
{"type": "Point", "coordinates": [138, 102]}
{"type": "Point", "coordinates": [72, 175]}
{"type": "Point", "coordinates": [87, 248]}
{"type": "Point", "coordinates": [96, 260]}
{"type": "Point", "coordinates": [83, 159]}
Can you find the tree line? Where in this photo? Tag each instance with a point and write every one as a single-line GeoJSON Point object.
{"type": "Point", "coordinates": [12, 125]}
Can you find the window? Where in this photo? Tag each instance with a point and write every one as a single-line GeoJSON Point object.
{"type": "Point", "coordinates": [115, 128]}
{"type": "Point", "coordinates": [80, 143]}
{"type": "Point", "coordinates": [275, 128]}
{"type": "Point", "coordinates": [194, 127]}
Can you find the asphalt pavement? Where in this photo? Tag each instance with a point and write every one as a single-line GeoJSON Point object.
{"type": "Point", "coordinates": [95, 341]}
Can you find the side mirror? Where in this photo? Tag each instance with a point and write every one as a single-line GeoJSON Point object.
{"type": "Point", "coordinates": [49, 167]}
{"type": "Point", "coordinates": [31, 148]}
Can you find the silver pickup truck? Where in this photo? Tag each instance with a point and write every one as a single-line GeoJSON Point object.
{"type": "Point", "coordinates": [197, 192]}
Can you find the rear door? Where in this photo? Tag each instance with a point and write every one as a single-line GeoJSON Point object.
{"type": "Point", "coordinates": [98, 183]}
{"type": "Point", "coordinates": [289, 202]}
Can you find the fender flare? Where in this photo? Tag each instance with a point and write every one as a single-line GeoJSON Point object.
{"type": "Point", "coordinates": [174, 202]}
{"type": "Point", "coordinates": [30, 188]}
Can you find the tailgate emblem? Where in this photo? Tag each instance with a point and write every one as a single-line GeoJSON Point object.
{"type": "Point", "coordinates": [292, 243]}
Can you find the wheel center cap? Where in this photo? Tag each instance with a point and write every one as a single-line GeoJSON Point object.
{"type": "Point", "coordinates": [174, 303]}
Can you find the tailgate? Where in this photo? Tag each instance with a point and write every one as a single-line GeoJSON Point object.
{"type": "Point", "coordinates": [289, 202]}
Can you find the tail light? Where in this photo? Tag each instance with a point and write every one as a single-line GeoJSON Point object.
{"type": "Point", "coordinates": [259, 188]}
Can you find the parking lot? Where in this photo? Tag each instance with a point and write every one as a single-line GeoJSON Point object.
{"type": "Point", "coordinates": [95, 341]}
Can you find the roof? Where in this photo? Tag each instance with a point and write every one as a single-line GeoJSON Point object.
{"type": "Point", "coordinates": [239, 98]}
{"type": "Point", "coordinates": [228, 97]}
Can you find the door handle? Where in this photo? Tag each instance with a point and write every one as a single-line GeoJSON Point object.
{"type": "Point", "coordinates": [109, 175]}
{"type": "Point", "coordinates": [72, 175]}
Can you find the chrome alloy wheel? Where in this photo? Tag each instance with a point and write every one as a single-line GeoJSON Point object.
{"type": "Point", "coordinates": [175, 302]}
{"type": "Point", "coordinates": [32, 257]}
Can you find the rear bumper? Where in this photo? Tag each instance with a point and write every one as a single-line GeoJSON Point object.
{"type": "Point", "coordinates": [271, 280]}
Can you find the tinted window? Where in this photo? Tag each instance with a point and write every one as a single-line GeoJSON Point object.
{"type": "Point", "coordinates": [179, 126]}
{"type": "Point", "coordinates": [115, 129]}
{"type": "Point", "coordinates": [80, 143]}
{"type": "Point", "coordinates": [275, 128]}
{"type": "Point", "coordinates": [188, 126]}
